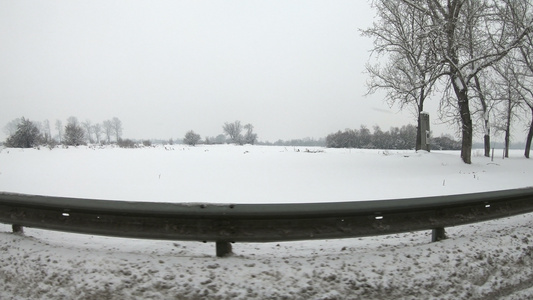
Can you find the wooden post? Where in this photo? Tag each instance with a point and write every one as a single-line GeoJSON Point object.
{"type": "Point", "coordinates": [18, 229]}
{"type": "Point", "coordinates": [223, 248]}
{"type": "Point", "coordinates": [438, 234]}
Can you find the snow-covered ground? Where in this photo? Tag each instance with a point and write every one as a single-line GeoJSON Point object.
{"type": "Point", "coordinates": [253, 174]}
{"type": "Point", "coordinates": [490, 260]}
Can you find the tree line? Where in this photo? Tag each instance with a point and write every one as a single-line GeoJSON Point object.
{"type": "Point", "coordinates": [232, 133]}
{"type": "Point", "coordinates": [23, 133]}
{"type": "Point", "coordinates": [475, 56]}
{"type": "Point", "coordinates": [396, 138]}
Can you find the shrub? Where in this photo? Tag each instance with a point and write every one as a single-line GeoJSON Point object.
{"type": "Point", "coordinates": [191, 138]}
{"type": "Point", "coordinates": [74, 135]}
{"type": "Point", "coordinates": [126, 143]}
{"type": "Point", "coordinates": [26, 136]}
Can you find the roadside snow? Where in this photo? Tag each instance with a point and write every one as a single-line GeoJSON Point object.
{"type": "Point", "coordinates": [490, 260]}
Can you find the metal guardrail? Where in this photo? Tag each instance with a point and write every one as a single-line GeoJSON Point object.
{"type": "Point", "coordinates": [228, 223]}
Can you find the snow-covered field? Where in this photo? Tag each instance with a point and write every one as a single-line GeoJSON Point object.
{"type": "Point", "coordinates": [490, 260]}
{"type": "Point", "coordinates": [253, 174]}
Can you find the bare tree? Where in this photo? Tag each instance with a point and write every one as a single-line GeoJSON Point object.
{"type": "Point", "coordinates": [484, 92]}
{"type": "Point", "coordinates": [525, 86]}
{"type": "Point", "coordinates": [108, 130]}
{"type": "Point", "coordinates": [47, 131]}
{"type": "Point", "coordinates": [509, 100]}
{"type": "Point", "coordinates": [117, 128]}
{"type": "Point", "coordinates": [516, 81]}
{"type": "Point", "coordinates": [407, 77]}
{"type": "Point", "coordinates": [528, 100]}
{"type": "Point", "coordinates": [97, 130]}
{"type": "Point", "coordinates": [233, 130]}
{"type": "Point", "coordinates": [448, 36]}
{"type": "Point", "coordinates": [250, 137]}
{"type": "Point", "coordinates": [59, 128]}
{"type": "Point", "coordinates": [475, 44]}
{"type": "Point", "coordinates": [11, 127]}
{"type": "Point", "coordinates": [87, 126]}
{"type": "Point", "coordinates": [522, 14]}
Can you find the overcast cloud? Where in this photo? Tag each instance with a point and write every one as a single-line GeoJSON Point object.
{"type": "Point", "coordinates": [293, 69]}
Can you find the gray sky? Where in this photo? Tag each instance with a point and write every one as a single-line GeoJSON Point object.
{"type": "Point", "coordinates": [292, 69]}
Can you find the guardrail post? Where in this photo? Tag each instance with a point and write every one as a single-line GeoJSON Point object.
{"type": "Point", "coordinates": [223, 248]}
{"type": "Point", "coordinates": [18, 229]}
{"type": "Point", "coordinates": [438, 234]}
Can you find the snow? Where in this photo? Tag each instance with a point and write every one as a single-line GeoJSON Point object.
{"type": "Point", "coordinates": [251, 174]}
{"type": "Point", "coordinates": [459, 83]}
{"type": "Point", "coordinates": [487, 260]}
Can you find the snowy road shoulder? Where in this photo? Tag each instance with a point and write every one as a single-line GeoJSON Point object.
{"type": "Point", "coordinates": [479, 261]}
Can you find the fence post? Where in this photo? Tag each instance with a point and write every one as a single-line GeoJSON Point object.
{"type": "Point", "coordinates": [223, 248]}
{"type": "Point", "coordinates": [438, 234]}
{"type": "Point", "coordinates": [18, 229]}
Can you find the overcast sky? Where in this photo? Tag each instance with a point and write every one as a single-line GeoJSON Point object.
{"type": "Point", "coordinates": [292, 69]}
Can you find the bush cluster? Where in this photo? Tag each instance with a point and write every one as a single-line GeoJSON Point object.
{"type": "Point", "coordinates": [395, 138]}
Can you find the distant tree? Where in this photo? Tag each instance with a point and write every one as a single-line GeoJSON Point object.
{"type": "Point", "coordinates": [233, 131]}
{"type": "Point", "coordinates": [74, 133]}
{"type": "Point", "coordinates": [407, 137]}
{"type": "Point", "coordinates": [12, 127]}
{"type": "Point", "coordinates": [88, 130]}
{"type": "Point", "coordinates": [171, 142]}
{"type": "Point", "coordinates": [147, 143]}
{"type": "Point", "coordinates": [108, 130]}
{"type": "Point", "coordinates": [250, 137]}
{"type": "Point", "coordinates": [27, 135]}
{"type": "Point", "coordinates": [365, 137]}
{"type": "Point", "coordinates": [47, 131]}
{"type": "Point", "coordinates": [396, 138]}
{"type": "Point", "coordinates": [191, 138]}
{"type": "Point", "coordinates": [97, 130]}
{"type": "Point", "coordinates": [117, 127]}
{"type": "Point", "coordinates": [308, 142]}
{"type": "Point", "coordinates": [59, 128]}
{"type": "Point", "coordinates": [220, 139]}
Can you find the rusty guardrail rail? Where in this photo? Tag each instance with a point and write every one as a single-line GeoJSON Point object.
{"type": "Point", "coordinates": [229, 223]}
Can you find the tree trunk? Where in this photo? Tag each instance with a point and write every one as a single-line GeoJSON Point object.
{"type": "Point", "coordinates": [507, 141]}
{"type": "Point", "coordinates": [486, 143]}
{"type": "Point", "coordinates": [466, 146]}
{"type": "Point", "coordinates": [466, 120]}
{"type": "Point", "coordinates": [420, 107]}
{"type": "Point", "coordinates": [486, 137]}
{"type": "Point", "coordinates": [529, 136]}
{"type": "Point", "coordinates": [508, 128]}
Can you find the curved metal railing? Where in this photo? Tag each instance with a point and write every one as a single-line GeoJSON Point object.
{"type": "Point", "coordinates": [227, 223]}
